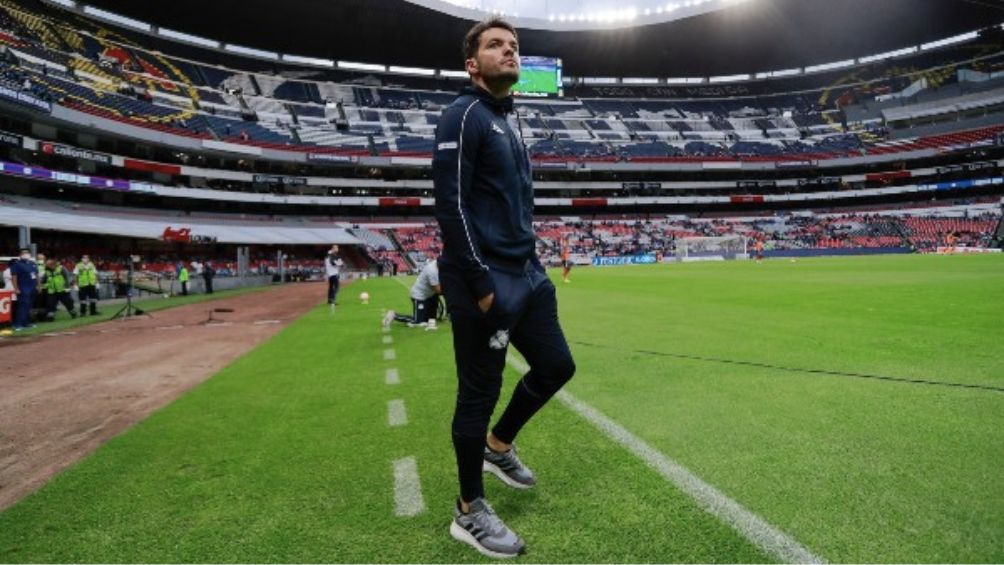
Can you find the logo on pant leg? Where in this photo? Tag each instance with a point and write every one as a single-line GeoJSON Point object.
{"type": "Point", "coordinates": [500, 340]}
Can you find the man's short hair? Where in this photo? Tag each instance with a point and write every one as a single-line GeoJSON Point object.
{"type": "Point", "coordinates": [473, 38]}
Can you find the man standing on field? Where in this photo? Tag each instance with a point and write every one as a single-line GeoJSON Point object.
{"type": "Point", "coordinates": [495, 287]}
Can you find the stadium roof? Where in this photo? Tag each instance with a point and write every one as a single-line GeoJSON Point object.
{"type": "Point", "coordinates": [749, 36]}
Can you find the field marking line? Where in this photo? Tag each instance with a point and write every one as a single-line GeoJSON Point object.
{"type": "Point", "coordinates": [265, 322]}
{"type": "Point", "coordinates": [388, 340]}
{"type": "Point", "coordinates": [389, 355]}
{"type": "Point", "coordinates": [176, 327]}
{"type": "Point", "coordinates": [407, 488]}
{"type": "Point", "coordinates": [396, 414]}
{"type": "Point", "coordinates": [402, 283]}
{"type": "Point", "coordinates": [391, 377]}
{"type": "Point", "coordinates": [746, 523]}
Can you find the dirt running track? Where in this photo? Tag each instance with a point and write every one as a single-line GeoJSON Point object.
{"type": "Point", "coordinates": [63, 396]}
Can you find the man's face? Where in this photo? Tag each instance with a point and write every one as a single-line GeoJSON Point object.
{"type": "Point", "coordinates": [40, 258]}
{"type": "Point", "coordinates": [497, 59]}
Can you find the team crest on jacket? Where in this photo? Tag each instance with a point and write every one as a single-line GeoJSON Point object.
{"type": "Point", "coordinates": [500, 340]}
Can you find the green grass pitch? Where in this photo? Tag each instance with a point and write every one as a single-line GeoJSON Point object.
{"type": "Point", "coordinates": [287, 455]}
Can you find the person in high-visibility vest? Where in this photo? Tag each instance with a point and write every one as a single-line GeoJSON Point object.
{"type": "Point", "coordinates": [183, 278]}
{"type": "Point", "coordinates": [57, 282]}
{"type": "Point", "coordinates": [87, 285]}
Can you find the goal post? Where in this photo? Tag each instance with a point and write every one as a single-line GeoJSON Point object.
{"type": "Point", "coordinates": [721, 248]}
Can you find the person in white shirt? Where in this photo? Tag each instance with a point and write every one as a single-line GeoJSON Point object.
{"type": "Point", "coordinates": [424, 300]}
{"type": "Point", "coordinates": [333, 269]}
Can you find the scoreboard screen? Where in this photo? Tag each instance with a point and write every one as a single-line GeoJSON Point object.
{"type": "Point", "coordinates": [539, 76]}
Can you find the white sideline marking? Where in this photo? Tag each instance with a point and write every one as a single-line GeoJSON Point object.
{"type": "Point", "coordinates": [385, 330]}
{"type": "Point", "coordinates": [748, 524]}
{"type": "Point", "coordinates": [264, 322]}
{"type": "Point", "coordinates": [396, 414]}
{"type": "Point", "coordinates": [388, 339]}
{"type": "Point", "coordinates": [219, 324]}
{"type": "Point", "coordinates": [402, 283]}
{"type": "Point", "coordinates": [177, 327]}
{"type": "Point", "coordinates": [388, 354]}
{"type": "Point", "coordinates": [392, 377]}
{"type": "Point", "coordinates": [407, 488]}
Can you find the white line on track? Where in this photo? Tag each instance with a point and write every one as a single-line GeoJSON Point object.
{"type": "Point", "coordinates": [388, 339]}
{"type": "Point", "coordinates": [396, 414]}
{"type": "Point", "coordinates": [219, 324]}
{"type": "Point", "coordinates": [392, 377]}
{"type": "Point", "coordinates": [177, 327]}
{"type": "Point", "coordinates": [265, 322]}
{"type": "Point", "coordinates": [388, 354]}
{"type": "Point", "coordinates": [749, 525]}
{"type": "Point", "coordinates": [407, 488]}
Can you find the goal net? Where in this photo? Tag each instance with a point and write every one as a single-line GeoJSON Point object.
{"type": "Point", "coordinates": [722, 248]}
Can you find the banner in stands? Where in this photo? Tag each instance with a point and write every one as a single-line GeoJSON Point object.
{"type": "Point", "coordinates": [73, 178]}
{"type": "Point", "coordinates": [280, 179]}
{"type": "Point", "coordinates": [624, 260]}
{"type": "Point", "coordinates": [6, 305]}
{"type": "Point", "coordinates": [961, 184]}
{"type": "Point", "coordinates": [11, 139]}
{"type": "Point", "coordinates": [409, 202]}
{"type": "Point", "coordinates": [74, 153]}
{"type": "Point", "coordinates": [25, 99]}
{"type": "Point", "coordinates": [331, 158]}
{"type": "Point", "coordinates": [184, 235]}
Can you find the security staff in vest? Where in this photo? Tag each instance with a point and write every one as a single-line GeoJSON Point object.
{"type": "Point", "coordinates": [183, 278]}
{"type": "Point", "coordinates": [42, 294]}
{"type": "Point", "coordinates": [496, 289]}
{"type": "Point", "coordinates": [333, 269]}
{"type": "Point", "coordinates": [58, 280]}
{"type": "Point", "coordinates": [86, 274]}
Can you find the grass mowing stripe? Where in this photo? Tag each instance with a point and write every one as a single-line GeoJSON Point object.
{"type": "Point", "coordinates": [396, 413]}
{"type": "Point", "coordinates": [408, 499]}
{"type": "Point", "coordinates": [392, 377]}
{"type": "Point", "coordinates": [759, 365]}
{"type": "Point", "coordinates": [751, 526]}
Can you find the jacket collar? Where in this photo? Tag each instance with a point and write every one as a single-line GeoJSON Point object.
{"type": "Point", "coordinates": [504, 105]}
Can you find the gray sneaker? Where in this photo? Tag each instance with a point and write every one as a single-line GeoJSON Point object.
{"type": "Point", "coordinates": [484, 531]}
{"type": "Point", "coordinates": [509, 468]}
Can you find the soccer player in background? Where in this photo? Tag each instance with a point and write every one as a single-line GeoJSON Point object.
{"type": "Point", "coordinates": [566, 259]}
{"type": "Point", "coordinates": [495, 287]}
{"type": "Point", "coordinates": [424, 300]}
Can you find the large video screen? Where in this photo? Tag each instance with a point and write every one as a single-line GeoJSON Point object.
{"type": "Point", "coordinates": [539, 76]}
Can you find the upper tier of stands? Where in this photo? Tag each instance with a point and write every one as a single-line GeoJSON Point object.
{"type": "Point", "coordinates": [77, 63]}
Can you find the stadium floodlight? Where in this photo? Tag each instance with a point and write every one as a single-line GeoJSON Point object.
{"type": "Point", "coordinates": [730, 78]}
{"type": "Point", "coordinates": [685, 80]}
{"type": "Point", "coordinates": [250, 51]}
{"type": "Point", "coordinates": [116, 19]}
{"type": "Point", "coordinates": [349, 65]}
{"type": "Point", "coordinates": [599, 80]}
{"type": "Point", "coordinates": [312, 61]}
{"type": "Point", "coordinates": [411, 71]}
{"type": "Point", "coordinates": [639, 80]}
{"type": "Point", "coordinates": [830, 66]}
{"type": "Point", "coordinates": [188, 38]}
{"type": "Point", "coordinates": [65, 3]}
{"type": "Point", "coordinates": [453, 74]}
{"type": "Point", "coordinates": [887, 55]}
{"type": "Point", "coordinates": [961, 38]}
